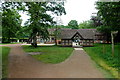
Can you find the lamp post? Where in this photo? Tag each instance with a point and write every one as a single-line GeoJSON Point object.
{"type": "Point", "coordinates": [112, 40]}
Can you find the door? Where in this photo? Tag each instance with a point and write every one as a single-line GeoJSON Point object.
{"type": "Point", "coordinates": [76, 42]}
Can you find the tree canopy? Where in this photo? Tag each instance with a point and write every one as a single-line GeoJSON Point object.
{"type": "Point", "coordinates": [109, 13]}
{"type": "Point", "coordinates": [86, 24]}
{"type": "Point", "coordinates": [39, 20]}
{"type": "Point", "coordinates": [11, 22]}
{"type": "Point", "coordinates": [73, 24]}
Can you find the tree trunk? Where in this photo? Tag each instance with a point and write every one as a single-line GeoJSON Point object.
{"type": "Point", "coordinates": [56, 41]}
{"type": "Point", "coordinates": [34, 44]}
{"type": "Point", "coordinates": [9, 37]}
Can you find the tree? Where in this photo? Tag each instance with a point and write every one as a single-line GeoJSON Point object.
{"type": "Point", "coordinates": [57, 33]}
{"type": "Point", "coordinates": [86, 24]}
{"type": "Point", "coordinates": [11, 23]}
{"type": "Point", "coordinates": [63, 26]}
{"type": "Point", "coordinates": [109, 13]}
{"type": "Point", "coordinates": [39, 19]}
{"type": "Point", "coordinates": [23, 33]}
{"type": "Point", "coordinates": [73, 24]}
{"type": "Point", "coordinates": [96, 21]}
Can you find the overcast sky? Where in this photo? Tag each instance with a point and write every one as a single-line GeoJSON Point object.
{"type": "Point", "coordinates": [79, 10]}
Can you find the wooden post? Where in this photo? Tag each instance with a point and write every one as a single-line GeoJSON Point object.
{"type": "Point", "coordinates": [112, 40]}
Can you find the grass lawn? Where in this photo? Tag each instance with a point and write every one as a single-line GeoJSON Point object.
{"type": "Point", "coordinates": [50, 54]}
{"type": "Point", "coordinates": [4, 54]}
{"type": "Point", "coordinates": [102, 55]}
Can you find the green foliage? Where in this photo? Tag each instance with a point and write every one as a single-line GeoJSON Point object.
{"type": "Point", "coordinates": [62, 26]}
{"type": "Point", "coordinates": [50, 54]}
{"type": "Point", "coordinates": [0, 31]}
{"type": "Point", "coordinates": [12, 5]}
{"type": "Point", "coordinates": [109, 13]}
{"type": "Point", "coordinates": [39, 19]}
{"type": "Point", "coordinates": [86, 25]}
{"type": "Point", "coordinates": [5, 52]}
{"type": "Point", "coordinates": [73, 24]}
{"type": "Point", "coordinates": [102, 55]}
{"type": "Point", "coordinates": [11, 22]}
{"type": "Point", "coordinates": [23, 32]}
{"type": "Point", "coordinates": [57, 33]}
{"type": "Point", "coordinates": [37, 24]}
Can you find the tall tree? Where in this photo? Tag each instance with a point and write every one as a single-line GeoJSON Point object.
{"type": "Point", "coordinates": [109, 13]}
{"type": "Point", "coordinates": [96, 21]}
{"type": "Point", "coordinates": [11, 23]}
{"type": "Point", "coordinates": [39, 19]}
{"type": "Point", "coordinates": [73, 24]}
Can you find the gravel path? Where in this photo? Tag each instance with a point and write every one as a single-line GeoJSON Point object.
{"type": "Point", "coordinates": [79, 65]}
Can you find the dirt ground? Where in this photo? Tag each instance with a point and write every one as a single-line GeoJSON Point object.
{"type": "Point", "coordinates": [79, 65]}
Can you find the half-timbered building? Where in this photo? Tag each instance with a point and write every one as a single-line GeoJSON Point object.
{"type": "Point", "coordinates": [77, 37]}
{"type": "Point", "coordinates": [72, 37]}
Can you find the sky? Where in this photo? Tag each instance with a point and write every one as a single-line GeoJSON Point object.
{"type": "Point", "coordinates": [80, 10]}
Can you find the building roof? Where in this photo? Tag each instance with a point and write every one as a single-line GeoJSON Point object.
{"type": "Point", "coordinates": [87, 33]}
{"type": "Point", "coordinates": [66, 33]}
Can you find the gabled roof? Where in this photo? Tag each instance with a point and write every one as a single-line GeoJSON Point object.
{"type": "Point", "coordinates": [66, 33]}
{"type": "Point", "coordinates": [87, 33]}
{"type": "Point", "coordinates": [78, 35]}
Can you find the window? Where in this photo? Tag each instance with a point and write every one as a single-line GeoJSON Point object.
{"type": "Point", "coordinates": [87, 40]}
{"type": "Point", "coordinates": [91, 43]}
{"type": "Point", "coordinates": [88, 43]}
{"type": "Point", "coordinates": [91, 40]}
{"type": "Point", "coordinates": [70, 41]}
{"type": "Point", "coordinates": [84, 40]}
{"type": "Point", "coordinates": [66, 41]}
{"type": "Point", "coordinates": [52, 38]}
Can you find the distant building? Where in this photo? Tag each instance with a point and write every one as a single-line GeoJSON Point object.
{"type": "Point", "coordinates": [73, 37]}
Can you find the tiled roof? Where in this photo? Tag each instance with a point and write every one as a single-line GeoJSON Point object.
{"type": "Point", "coordinates": [66, 33]}
{"type": "Point", "coordinates": [87, 33]}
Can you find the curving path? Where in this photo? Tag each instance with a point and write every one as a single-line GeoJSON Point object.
{"type": "Point", "coordinates": [79, 65]}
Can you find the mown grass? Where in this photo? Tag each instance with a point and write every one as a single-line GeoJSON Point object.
{"type": "Point", "coordinates": [4, 53]}
{"type": "Point", "coordinates": [102, 55]}
{"type": "Point", "coordinates": [50, 54]}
